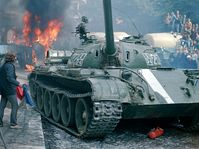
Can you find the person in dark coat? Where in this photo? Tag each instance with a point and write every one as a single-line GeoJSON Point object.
{"type": "Point", "coordinates": [8, 84]}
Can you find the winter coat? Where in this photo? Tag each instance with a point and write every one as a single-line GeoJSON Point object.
{"type": "Point", "coordinates": [8, 80]}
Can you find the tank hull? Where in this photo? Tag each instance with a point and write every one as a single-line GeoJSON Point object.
{"type": "Point", "coordinates": [105, 96]}
{"type": "Point", "coordinates": [159, 111]}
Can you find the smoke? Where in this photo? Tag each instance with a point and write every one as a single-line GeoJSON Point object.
{"type": "Point", "coordinates": [128, 16]}
{"type": "Point", "coordinates": [11, 13]}
{"type": "Point", "coordinates": [47, 10]}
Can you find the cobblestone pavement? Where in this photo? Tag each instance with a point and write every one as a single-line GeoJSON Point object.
{"type": "Point", "coordinates": [131, 136]}
{"type": "Point", "coordinates": [29, 136]}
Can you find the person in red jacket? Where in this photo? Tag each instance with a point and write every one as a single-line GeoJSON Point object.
{"type": "Point", "coordinates": [8, 84]}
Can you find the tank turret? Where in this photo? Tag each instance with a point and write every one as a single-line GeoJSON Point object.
{"type": "Point", "coordinates": [106, 51]}
{"type": "Point", "coordinates": [132, 51]}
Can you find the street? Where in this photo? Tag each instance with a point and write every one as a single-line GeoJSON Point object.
{"type": "Point", "coordinates": [131, 136]}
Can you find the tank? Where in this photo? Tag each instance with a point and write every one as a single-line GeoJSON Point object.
{"type": "Point", "coordinates": [87, 91]}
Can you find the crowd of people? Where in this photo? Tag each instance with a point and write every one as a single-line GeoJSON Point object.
{"type": "Point", "coordinates": [187, 52]}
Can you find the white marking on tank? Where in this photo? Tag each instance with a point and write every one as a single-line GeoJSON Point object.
{"type": "Point", "coordinates": [155, 84]}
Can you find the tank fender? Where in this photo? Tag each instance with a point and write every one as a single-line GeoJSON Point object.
{"type": "Point", "coordinates": [109, 89]}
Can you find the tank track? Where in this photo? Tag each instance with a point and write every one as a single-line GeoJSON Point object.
{"type": "Point", "coordinates": [106, 115]}
{"type": "Point", "coordinates": [192, 128]}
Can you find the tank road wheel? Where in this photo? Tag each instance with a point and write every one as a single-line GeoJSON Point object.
{"type": "Point", "coordinates": [67, 111]}
{"type": "Point", "coordinates": [47, 103]}
{"type": "Point", "coordinates": [33, 89]}
{"type": "Point", "coordinates": [83, 115]}
{"type": "Point", "coordinates": [40, 102]}
{"type": "Point", "coordinates": [55, 103]}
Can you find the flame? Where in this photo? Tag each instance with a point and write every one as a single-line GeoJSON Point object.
{"type": "Point", "coordinates": [49, 35]}
{"type": "Point", "coordinates": [37, 32]}
{"type": "Point", "coordinates": [45, 36]}
{"type": "Point", "coordinates": [29, 68]}
{"type": "Point", "coordinates": [27, 28]}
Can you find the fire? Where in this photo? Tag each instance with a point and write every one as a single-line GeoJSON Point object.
{"type": "Point", "coordinates": [45, 36]}
{"type": "Point", "coordinates": [37, 32]}
{"type": "Point", "coordinates": [29, 68]}
{"type": "Point", "coordinates": [27, 28]}
{"type": "Point", "coordinates": [49, 35]}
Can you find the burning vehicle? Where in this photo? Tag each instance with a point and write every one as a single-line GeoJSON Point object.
{"type": "Point", "coordinates": [8, 43]}
{"type": "Point", "coordinates": [29, 43]}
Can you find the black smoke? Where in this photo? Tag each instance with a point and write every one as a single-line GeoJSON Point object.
{"type": "Point", "coordinates": [10, 13]}
{"type": "Point", "coordinates": [47, 10]}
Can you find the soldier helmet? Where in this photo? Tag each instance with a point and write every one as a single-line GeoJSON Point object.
{"type": "Point", "coordinates": [10, 57]}
{"type": "Point", "coordinates": [84, 19]}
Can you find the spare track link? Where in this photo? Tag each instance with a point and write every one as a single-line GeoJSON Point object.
{"type": "Point", "coordinates": [106, 115]}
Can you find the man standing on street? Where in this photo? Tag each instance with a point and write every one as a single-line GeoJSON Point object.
{"type": "Point", "coordinates": [8, 85]}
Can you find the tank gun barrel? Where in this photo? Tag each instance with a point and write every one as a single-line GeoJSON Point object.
{"type": "Point", "coordinates": [110, 48]}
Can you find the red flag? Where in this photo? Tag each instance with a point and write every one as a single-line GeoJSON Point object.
{"type": "Point", "coordinates": [20, 93]}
